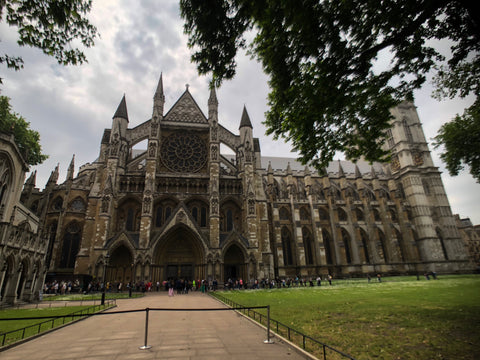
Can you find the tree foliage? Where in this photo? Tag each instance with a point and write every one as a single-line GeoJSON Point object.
{"type": "Point", "coordinates": [460, 139]}
{"type": "Point", "coordinates": [52, 26]}
{"type": "Point", "coordinates": [329, 92]}
{"type": "Point", "coordinates": [27, 140]}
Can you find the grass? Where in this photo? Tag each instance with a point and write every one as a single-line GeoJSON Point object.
{"type": "Point", "coordinates": [400, 318]}
{"type": "Point", "coordinates": [35, 326]}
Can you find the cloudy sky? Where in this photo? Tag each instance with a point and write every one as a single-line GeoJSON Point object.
{"type": "Point", "coordinates": [70, 106]}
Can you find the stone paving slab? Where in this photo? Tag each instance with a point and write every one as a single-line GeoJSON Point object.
{"type": "Point", "coordinates": [172, 335]}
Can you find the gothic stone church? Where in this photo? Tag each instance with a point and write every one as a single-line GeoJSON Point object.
{"type": "Point", "coordinates": [182, 209]}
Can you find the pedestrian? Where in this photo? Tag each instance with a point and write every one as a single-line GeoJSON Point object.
{"type": "Point", "coordinates": [329, 278]}
{"type": "Point", "coordinates": [379, 278]}
{"type": "Point", "coordinates": [369, 278]}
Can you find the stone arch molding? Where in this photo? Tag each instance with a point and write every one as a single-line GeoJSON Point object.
{"type": "Point", "coordinates": [122, 239]}
{"type": "Point", "coordinates": [234, 239]}
{"type": "Point", "coordinates": [180, 216]}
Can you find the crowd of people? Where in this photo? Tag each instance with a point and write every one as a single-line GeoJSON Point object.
{"type": "Point", "coordinates": [61, 287]}
{"type": "Point", "coordinates": [184, 286]}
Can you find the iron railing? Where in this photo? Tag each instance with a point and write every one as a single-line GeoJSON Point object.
{"type": "Point", "coordinates": [50, 322]}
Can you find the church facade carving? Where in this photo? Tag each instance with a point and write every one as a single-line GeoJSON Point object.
{"type": "Point", "coordinates": [182, 209]}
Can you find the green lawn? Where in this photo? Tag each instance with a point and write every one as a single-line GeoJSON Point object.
{"type": "Point", "coordinates": [38, 325]}
{"type": "Point", "coordinates": [400, 318]}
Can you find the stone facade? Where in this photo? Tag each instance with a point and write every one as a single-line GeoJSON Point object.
{"type": "Point", "coordinates": [22, 248]}
{"type": "Point", "coordinates": [180, 208]}
{"type": "Point", "coordinates": [471, 236]}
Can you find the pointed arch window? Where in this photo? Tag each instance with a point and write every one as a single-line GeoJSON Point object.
{"type": "Point", "coordinates": [359, 214]}
{"type": "Point", "coordinates": [71, 244]}
{"type": "Point", "coordinates": [328, 246]}
{"type": "Point", "coordinates": [229, 220]}
{"type": "Point", "coordinates": [307, 246]}
{"type": "Point", "coordinates": [323, 214]}
{"type": "Point", "coordinates": [442, 243]}
{"type": "Point", "coordinates": [195, 213]}
{"type": "Point", "coordinates": [364, 237]}
{"type": "Point", "coordinates": [5, 178]}
{"type": "Point", "coordinates": [342, 215]}
{"type": "Point", "coordinates": [159, 217]}
{"type": "Point", "coordinates": [346, 244]}
{"type": "Point", "coordinates": [287, 247]}
{"type": "Point", "coordinates": [382, 245]}
{"type": "Point", "coordinates": [284, 214]}
{"type": "Point", "coordinates": [408, 132]}
{"type": "Point", "coordinates": [304, 214]}
{"type": "Point", "coordinates": [203, 217]}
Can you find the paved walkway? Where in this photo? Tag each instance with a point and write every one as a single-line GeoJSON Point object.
{"type": "Point", "coordinates": [172, 335]}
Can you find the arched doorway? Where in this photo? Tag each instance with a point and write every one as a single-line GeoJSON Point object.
{"type": "Point", "coordinates": [179, 255]}
{"type": "Point", "coordinates": [120, 266]}
{"type": "Point", "coordinates": [234, 264]}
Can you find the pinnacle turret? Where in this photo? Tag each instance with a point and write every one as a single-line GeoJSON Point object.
{"type": "Point", "coordinates": [71, 168]}
{"type": "Point", "coordinates": [245, 122]}
{"type": "Point", "coordinates": [159, 98]}
{"type": "Point", "coordinates": [121, 110]}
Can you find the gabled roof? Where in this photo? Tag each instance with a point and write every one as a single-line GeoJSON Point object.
{"type": "Point", "coordinates": [186, 110]}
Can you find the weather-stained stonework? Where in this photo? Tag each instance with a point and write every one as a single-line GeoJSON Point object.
{"type": "Point", "coordinates": [182, 209]}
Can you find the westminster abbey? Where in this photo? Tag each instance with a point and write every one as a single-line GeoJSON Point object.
{"type": "Point", "coordinates": [182, 209]}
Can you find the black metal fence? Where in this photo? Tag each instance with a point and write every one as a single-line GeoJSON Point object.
{"type": "Point", "coordinates": [49, 323]}
{"type": "Point", "coordinates": [307, 342]}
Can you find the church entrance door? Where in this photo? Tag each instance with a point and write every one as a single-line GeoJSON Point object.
{"type": "Point", "coordinates": [120, 267]}
{"type": "Point", "coordinates": [234, 264]}
{"type": "Point", "coordinates": [179, 255]}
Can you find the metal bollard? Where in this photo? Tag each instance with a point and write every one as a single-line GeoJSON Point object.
{"type": "Point", "coordinates": [268, 341]}
{"type": "Point", "coordinates": [145, 346]}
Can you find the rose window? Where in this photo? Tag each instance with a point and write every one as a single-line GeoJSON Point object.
{"type": "Point", "coordinates": [183, 153]}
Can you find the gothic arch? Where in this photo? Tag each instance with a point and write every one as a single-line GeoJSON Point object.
{"type": "Point", "coordinates": [329, 247]}
{"type": "Point", "coordinates": [230, 215]}
{"type": "Point", "coordinates": [347, 245]}
{"type": "Point", "coordinates": [8, 266]}
{"type": "Point", "coordinates": [180, 252]}
{"type": "Point", "coordinates": [234, 262]}
{"type": "Point", "coordinates": [71, 239]}
{"type": "Point", "coordinates": [199, 209]}
{"type": "Point", "coordinates": [129, 211]}
{"type": "Point", "coordinates": [382, 246]}
{"type": "Point", "coordinates": [442, 242]}
{"type": "Point", "coordinates": [308, 246]}
{"type": "Point", "coordinates": [7, 169]}
{"type": "Point", "coordinates": [163, 209]}
{"type": "Point", "coordinates": [289, 258]}
{"type": "Point", "coordinates": [365, 249]}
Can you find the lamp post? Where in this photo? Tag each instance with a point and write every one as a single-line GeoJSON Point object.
{"type": "Point", "coordinates": [105, 264]}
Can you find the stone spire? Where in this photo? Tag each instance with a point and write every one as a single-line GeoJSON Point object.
{"type": "Point", "coordinates": [289, 169]}
{"type": "Point", "coordinates": [159, 98]}
{"type": "Point", "coordinates": [71, 169]}
{"type": "Point", "coordinates": [32, 179]}
{"type": "Point", "coordinates": [269, 169]}
{"type": "Point", "coordinates": [212, 100]}
{"type": "Point", "coordinates": [373, 173]}
{"type": "Point", "coordinates": [53, 176]}
{"type": "Point", "coordinates": [358, 174]}
{"type": "Point", "coordinates": [341, 173]}
{"type": "Point", "coordinates": [245, 121]}
{"type": "Point", "coordinates": [307, 170]}
{"type": "Point", "coordinates": [121, 110]}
